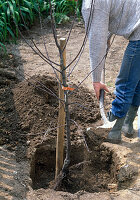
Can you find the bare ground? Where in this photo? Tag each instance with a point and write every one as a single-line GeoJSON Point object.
{"type": "Point", "coordinates": [28, 111]}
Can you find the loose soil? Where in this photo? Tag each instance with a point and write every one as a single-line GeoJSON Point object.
{"type": "Point", "coordinates": [28, 125]}
{"type": "Point", "coordinates": [38, 117]}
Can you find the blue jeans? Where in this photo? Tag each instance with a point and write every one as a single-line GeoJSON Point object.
{"type": "Point", "coordinates": [128, 81]}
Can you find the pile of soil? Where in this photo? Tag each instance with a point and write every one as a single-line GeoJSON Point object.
{"type": "Point", "coordinates": [27, 108]}
{"type": "Point", "coordinates": [29, 114]}
{"type": "Point", "coordinates": [38, 109]}
{"type": "Point", "coordinates": [9, 124]}
{"type": "Point", "coordinates": [38, 113]}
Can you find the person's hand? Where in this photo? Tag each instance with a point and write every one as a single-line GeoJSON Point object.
{"type": "Point", "coordinates": [97, 87]}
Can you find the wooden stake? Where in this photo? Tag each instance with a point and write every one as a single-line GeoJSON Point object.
{"type": "Point", "coordinates": [61, 119]}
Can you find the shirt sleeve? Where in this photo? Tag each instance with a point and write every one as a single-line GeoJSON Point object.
{"type": "Point", "coordinates": [98, 36]}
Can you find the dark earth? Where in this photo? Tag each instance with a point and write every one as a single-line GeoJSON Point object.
{"type": "Point", "coordinates": [27, 112]}
{"type": "Point", "coordinates": [28, 127]}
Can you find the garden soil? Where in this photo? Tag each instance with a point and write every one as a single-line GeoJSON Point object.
{"type": "Point", "coordinates": [28, 125]}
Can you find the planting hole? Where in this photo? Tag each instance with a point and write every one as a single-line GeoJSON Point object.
{"type": "Point", "coordinates": [90, 169]}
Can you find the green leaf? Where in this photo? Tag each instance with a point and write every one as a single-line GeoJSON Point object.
{"type": "Point", "coordinates": [11, 8]}
{"type": "Point", "coordinates": [2, 46]}
{"type": "Point", "coordinates": [2, 23]}
{"type": "Point", "coordinates": [11, 32]}
{"type": "Point", "coordinates": [17, 15]}
{"type": "Point", "coordinates": [24, 9]}
{"type": "Point", "coordinates": [29, 4]}
{"type": "Point", "coordinates": [8, 14]}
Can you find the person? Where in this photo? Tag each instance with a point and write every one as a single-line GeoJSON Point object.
{"type": "Point", "coordinates": [103, 18]}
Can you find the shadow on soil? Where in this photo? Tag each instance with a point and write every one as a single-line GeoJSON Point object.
{"type": "Point", "coordinates": [12, 138]}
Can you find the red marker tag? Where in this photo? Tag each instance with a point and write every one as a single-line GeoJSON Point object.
{"type": "Point", "coordinates": [68, 88]}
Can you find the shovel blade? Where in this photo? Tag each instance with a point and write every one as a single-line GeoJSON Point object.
{"type": "Point", "coordinates": [107, 124]}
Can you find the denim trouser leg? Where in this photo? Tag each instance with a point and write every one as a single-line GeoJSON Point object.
{"type": "Point", "coordinates": [128, 81]}
{"type": "Point", "coordinates": [136, 98]}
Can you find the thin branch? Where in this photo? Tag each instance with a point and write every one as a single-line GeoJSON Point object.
{"type": "Point", "coordinates": [87, 31]}
{"type": "Point", "coordinates": [86, 145]}
{"type": "Point", "coordinates": [104, 57]}
{"type": "Point", "coordinates": [53, 26]}
{"type": "Point", "coordinates": [77, 87]}
{"type": "Point", "coordinates": [41, 26]}
{"type": "Point", "coordinates": [76, 62]}
{"type": "Point", "coordinates": [41, 56]}
{"type": "Point", "coordinates": [45, 90]}
{"type": "Point", "coordinates": [44, 57]}
{"type": "Point", "coordinates": [71, 27]}
{"type": "Point", "coordinates": [80, 105]}
{"type": "Point", "coordinates": [85, 142]}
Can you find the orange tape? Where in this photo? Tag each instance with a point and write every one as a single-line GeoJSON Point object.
{"type": "Point", "coordinates": [67, 88]}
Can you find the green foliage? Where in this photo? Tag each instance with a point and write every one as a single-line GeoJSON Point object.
{"type": "Point", "coordinates": [16, 14]}
{"type": "Point", "coordinates": [65, 8]}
